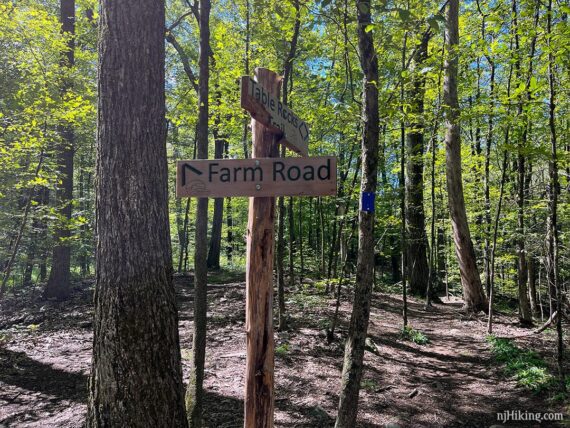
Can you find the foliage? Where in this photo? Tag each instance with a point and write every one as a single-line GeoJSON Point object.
{"type": "Point", "coordinates": [413, 335]}
{"type": "Point", "coordinates": [282, 350]}
{"type": "Point", "coordinates": [527, 367]}
{"type": "Point", "coordinates": [325, 91]}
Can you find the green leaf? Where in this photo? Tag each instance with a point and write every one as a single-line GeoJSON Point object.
{"type": "Point", "coordinates": [404, 14]}
{"type": "Point", "coordinates": [533, 85]}
{"type": "Point", "coordinates": [369, 28]}
{"type": "Point", "coordinates": [433, 23]}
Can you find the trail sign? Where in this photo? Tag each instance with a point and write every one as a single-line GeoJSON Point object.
{"type": "Point", "coordinates": [311, 176]}
{"type": "Point", "coordinates": [263, 177]}
{"type": "Point", "coordinates": [275, 115]}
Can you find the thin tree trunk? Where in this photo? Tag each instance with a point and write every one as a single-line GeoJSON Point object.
{"type": "Point", "coordinates": [494, 242]}
{"type": "Point", "coordinates": [280, 256]}
{"type": "Point", "coordinates": [554, 188]}
{"type": "Point", "coordinates": [18, 239]}
{"type": "Point", "coordinates": [472, 289]}
{"type": "Point", "coordinates": [291, 217]}
{"type": "Point", "coordinates": [322, 234]}
{"type": "Point", "coordinates": [136, 374]}
{"type": "Point", "coordinates": [184, 242]}
{"type": "Point", "coordinates": [229, 233]}
{"type": "Point", "coordinates": [525, 313]}
{"type": "Point", "coordinates": [215, 248]}
{"type": "Point", "coordinates": [301, 256]}
{"type": "Point", "coordinates": [246, 119]}
{"type": "Point", "coordinates": [532, 284]}
{"type": "Point", "coordinates": [403, 196]}
{"type": "Point", "coordinates": [354, 350]}
{"type": "Point", "coordinates": [490, 135]}
{"type": "Point", "coordinates": [195, 390]}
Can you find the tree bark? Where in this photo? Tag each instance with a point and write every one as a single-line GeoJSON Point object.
{"type": "Point", "coordinates": [354, 349]}
{"type": "Point", "coordinates": [416, 234]}
{"type": "Point", "coordinates": [136, 375]}
{"type": "Point", "coordinates": [525, 313]}
{"type": "Point", "coordinates": [532, 285]}
{"type": "Point", "coordinates": [195, 390]}
{"type": "Point", "coordinates": [59, 281]}
{"type": "Point", "coordinates": [474, 299]}
{"type": "Point", "coordinates": [280, 256]}
{"type": "Point", "coordinates": [215, 248]}
{"type": "Point", "coordinates": [553, 190]}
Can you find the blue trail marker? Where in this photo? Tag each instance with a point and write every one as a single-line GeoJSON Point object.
{"type": "Point", "coordinates": [367, 201]}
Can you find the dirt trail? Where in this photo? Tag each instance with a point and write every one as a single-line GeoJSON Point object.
{"type": "Point", "coordinates": [45, 351]}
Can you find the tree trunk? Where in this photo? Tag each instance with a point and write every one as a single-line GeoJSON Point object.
{"type": "Point", "coordinates": [136, 376]}
{"type": "Point", "coordinates": [473, 296]}
{"type": "Point", "coordinates": [494, 240]}
{"type": "Point", "coordinates": [532, 285]}
{"type": "Point", "coordinates": [403, 211]}
{"type": "Point", "coordinates": [217, 221]}
{"type": "Point", "coordinates": [487, 255]}
{"type": "Point", "coordinates": [415, 218]}
{"type": "Point", "coordinates": [554, 188]}
{"type": "Point", "coordinates": [280, 256]}
{"type": "Point", "coordinates": [354, 349]}
{"type": "Point", "coordinates": [291, 217]}
{"type": "Point", "coordinates": [195, 390]}
{"type": "Point", "coordinates": [59, 282]}
{"type": "Point", "coordinates": [525, 313]}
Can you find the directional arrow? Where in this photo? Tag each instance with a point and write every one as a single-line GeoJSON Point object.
{"type": "Point", "coordinates": [191, 168]}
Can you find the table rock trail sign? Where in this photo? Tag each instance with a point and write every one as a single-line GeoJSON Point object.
{"type": "Point", "coordinates": [311, 176]}
{"type": "Point", "coordinates": [275, 115]}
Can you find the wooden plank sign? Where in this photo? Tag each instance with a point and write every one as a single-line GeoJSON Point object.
{"type": "Point", "coordinates": [275, 115]}
{"type": "Point", "coordinates": [311, 176]}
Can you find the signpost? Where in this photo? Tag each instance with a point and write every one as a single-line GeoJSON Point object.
{"type": "Point", "coordinates": [266, 108]}
{"type": "Point", "coordinates": [262, 178]}
{"type": "Point", "coordinates": [257, 177]}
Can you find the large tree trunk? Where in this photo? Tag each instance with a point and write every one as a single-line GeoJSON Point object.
{"type": "Point", "coordinates": [136, 377]}
{"type": "Point", "coordinates": [59, 282]}
{"type": "Point", "coordinates": [472, 289]}
{"type": "Point", "coordinates": [354, 349]}
{"type": "Point", "coordinates": [195, 391]}
{"type": "Point", "coordinates": [418, 269]}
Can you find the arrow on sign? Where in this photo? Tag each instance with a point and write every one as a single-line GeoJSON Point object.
{"type": "Point", "coordinates": [191, 168]}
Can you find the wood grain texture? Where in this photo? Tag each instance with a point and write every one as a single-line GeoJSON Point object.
{"type": "Point", "coordinates": [314, 176]}
{"type": "Point", "coordinates": [276, 116]}
{"type": "Point", "coordinates": [259, 396]}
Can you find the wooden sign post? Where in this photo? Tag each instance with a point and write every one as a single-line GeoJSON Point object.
{"type": "Point", "coordinates": [262, 178]}
{"type": "Point", "coordinates": [259, 399]}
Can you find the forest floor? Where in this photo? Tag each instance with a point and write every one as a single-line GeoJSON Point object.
{"type": "Point", "coordinates": [452, 381]}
